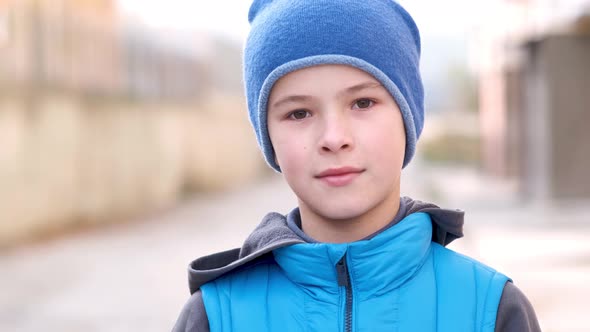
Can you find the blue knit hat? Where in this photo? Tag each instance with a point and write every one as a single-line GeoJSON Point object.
{"type": "Point", "coordinates": [376, 36]}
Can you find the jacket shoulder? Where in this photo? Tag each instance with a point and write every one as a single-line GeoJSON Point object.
{"type": "Point", "coordinates": [515, 313]}
{"type": "Point", "coordinates": [243, 295]}
{"type": "Point", "coordinates": [193, 317]}
{"type": "Point", "coordinates": [468, 283]}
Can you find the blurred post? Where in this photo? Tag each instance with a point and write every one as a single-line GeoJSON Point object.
{"type": "Point", "coordinates": [531, 110]}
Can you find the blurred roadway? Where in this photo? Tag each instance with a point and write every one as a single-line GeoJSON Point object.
{"type": "Point", "coordinates": [132, 277]}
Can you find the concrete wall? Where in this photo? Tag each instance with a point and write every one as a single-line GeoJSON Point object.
{"type": "Point", "coordinates": [569, 66]}
{"type": "Point", "coordinates": [557, 114]}
{"type": "Point", "coordinates": [67, 161]}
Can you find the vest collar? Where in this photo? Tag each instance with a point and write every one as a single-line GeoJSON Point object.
{"type": "Point", "coordinates": [377, 265]}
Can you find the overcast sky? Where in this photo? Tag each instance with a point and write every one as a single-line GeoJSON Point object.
{"type": "Point", "coordinates": [229, 17]}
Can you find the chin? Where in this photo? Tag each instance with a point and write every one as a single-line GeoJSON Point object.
{"type": "Point", "coordinates": [340, 211]}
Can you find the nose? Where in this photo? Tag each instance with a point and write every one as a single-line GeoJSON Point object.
{"type": "Point", "coordinates": [336, 134]}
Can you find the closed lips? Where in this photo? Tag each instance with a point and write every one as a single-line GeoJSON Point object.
{"type": "Point", "coordinates": [339, 171]}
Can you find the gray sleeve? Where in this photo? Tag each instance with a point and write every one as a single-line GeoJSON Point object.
{"type": "Point", "coordinates": [515, 312]}
{"type": "Point", "coordinates": [193, 317]}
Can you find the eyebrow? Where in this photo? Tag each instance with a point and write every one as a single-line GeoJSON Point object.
{"type": "Point", "coordinates": [362, 86]}
{"type": "Point", "coordinates": [352, 89]}
{"type": "Point", "coordinates": [294, 98]}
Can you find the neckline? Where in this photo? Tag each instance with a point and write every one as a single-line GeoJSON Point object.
{"type": "Point", "coordinates": [294, 222]}
{"type": "Point", "coordinates": [379, 264]}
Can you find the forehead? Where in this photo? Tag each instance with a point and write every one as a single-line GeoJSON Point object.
{"type": "Point", "coordinates": [321, 78]}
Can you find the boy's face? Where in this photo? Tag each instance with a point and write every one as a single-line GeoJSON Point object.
{"type": "Point", "coordinates": [339, 139]}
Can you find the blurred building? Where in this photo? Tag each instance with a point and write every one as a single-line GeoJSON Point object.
{"type": "Point", "coordinates": [534, 67]}
{"type": "Point", "coordinates": [555, 116]}
{"type": "Point", "coordinates": [63, 44]}
{"type": "Point", "coordinates": [85, 46]}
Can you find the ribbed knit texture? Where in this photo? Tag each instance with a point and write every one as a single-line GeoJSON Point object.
{"type": "Point", "coordinates": [377, 36]}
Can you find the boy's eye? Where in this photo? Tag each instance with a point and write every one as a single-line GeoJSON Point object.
{"type": "Point", "coordinates": [363, 103]}
{"type": "Point", "coordinates": [298, 114]}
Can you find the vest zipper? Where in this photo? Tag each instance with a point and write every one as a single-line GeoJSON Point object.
{"type": "Point", "coordinates": [344, 280]}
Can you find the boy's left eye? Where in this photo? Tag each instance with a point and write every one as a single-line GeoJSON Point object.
{"type": "Point", "coordinates": [363, 103]}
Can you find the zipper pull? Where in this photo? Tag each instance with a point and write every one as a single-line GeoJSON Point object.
{"type": "Point", "coordinates": [342, 272]}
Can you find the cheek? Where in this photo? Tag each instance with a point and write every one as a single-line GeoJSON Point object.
{"type": "Point", "coordinates": [386, 143]}
{"type": "Point", "coordinates": [289, 153]}
{"type": "Point", "coordinates": [292, 160]}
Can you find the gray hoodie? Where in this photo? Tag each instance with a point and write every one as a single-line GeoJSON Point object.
{"type": "Point", "coordinates": [515, 312]}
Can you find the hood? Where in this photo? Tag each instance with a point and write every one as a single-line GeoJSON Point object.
{"type": "Point", "coordinates": [274, 232]}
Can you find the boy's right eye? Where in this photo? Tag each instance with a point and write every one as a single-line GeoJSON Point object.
{"type": "Point", "coordinates": [298, 114]}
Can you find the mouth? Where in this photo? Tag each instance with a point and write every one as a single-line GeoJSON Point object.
{"type": "Point", "coordinates": [339, 176]}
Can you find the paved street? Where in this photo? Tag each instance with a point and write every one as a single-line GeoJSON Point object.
{"type": "Point", "coordinates": [132, 277]}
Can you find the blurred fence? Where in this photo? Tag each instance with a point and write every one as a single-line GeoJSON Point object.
{"type": "Point", "coordinates": [100, 120]}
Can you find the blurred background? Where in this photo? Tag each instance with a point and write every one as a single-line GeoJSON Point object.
{"type": "Point", "coordinates": [126, 152]}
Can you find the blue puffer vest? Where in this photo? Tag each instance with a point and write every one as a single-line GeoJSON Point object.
{"type": "Point", "coordinates": [397, 281]}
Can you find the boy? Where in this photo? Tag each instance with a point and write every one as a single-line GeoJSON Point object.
{"type": "Point", "coordinates": [335, 97]}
